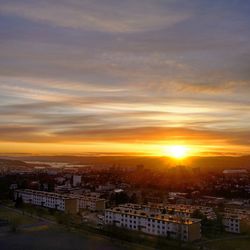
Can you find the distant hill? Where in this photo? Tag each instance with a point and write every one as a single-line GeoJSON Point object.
{"type": "Point", "coordinates": [12, 163]}
{"type": "Point", "coordinates": [220, 162]}
{"type": "Point", "coordinates": [204, 163]}
{"type": "Point", "coordinates": [18, 164]}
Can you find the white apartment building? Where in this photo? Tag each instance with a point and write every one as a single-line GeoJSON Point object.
{"type": "Point", "coordinates": [77, 180]}
{"type": "Point", "coordinates": [63, 202]}
{"type": "Point", "coordinates": [232, 223]}
{"type": "Point", "coordinates": [185, 229]}
{"type": "Point", "coordinates": [50, 200]}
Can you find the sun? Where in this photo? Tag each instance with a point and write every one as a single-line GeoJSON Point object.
{"type": "Point", "coordinates": [178, 151]}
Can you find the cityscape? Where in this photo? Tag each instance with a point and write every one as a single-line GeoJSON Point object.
{"type": "Point", "coordinates": [180, 206]}
{"type": "Point", "coordinates": [124, 125]}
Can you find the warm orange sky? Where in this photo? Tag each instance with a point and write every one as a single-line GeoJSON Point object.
{"type": "Point", "coordinates": [133, 76]}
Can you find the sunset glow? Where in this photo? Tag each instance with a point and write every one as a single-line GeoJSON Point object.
{"type": "Point", "coordinates": [124, 76]}
{"type": "Point", "coordinates": [178, 151]}
{"type": "Point", "coordinates": [113, 109]}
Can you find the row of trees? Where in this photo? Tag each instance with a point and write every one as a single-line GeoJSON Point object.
{"type": "Point", "coordinates": [210, 227]}
{"type": "Point", "coordinates": [122, 198]}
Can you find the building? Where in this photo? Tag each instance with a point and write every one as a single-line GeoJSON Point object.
{"type": "Point", "coordinates": [235, 172]}
{"type": "Point", "coordinates": [188, 210]}
{"type": "Point", "coordinates": [106, 187]}
{"type": "Point", "coordinates": [236, 220]}
{"type": "Point", "coordinates": [244, 212]}
{"type": "Point", "coordinates": [180, 210]}
{"type": "Point", "coordinates": [67, 188]}
{"type": "Point", "coordinates": [77, 180]}
{"type": "Point", "coordinates": [180, 228]}
{"type": "Point", "coordinates": [54, 171]}
{"type": "Point", "coordinates": [91, 203]}
{"type": "Point", "coordinates": [232, 223]}
{"type": "Point", "coordinates": [56, 201]}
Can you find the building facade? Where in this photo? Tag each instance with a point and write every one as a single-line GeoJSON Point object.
{"type": "Point", "coordinates": [56, 201]}
{"type": "Point", "coordinates": [180, 228]}
{"type": "Point", "coordinates": [77, 180]}
{"type": "Point", "coordinates": [68, 203]}
{"type": "Point", "coordinates": [231, 223]}
{"type": "Point", "coordinates": [91, 203]}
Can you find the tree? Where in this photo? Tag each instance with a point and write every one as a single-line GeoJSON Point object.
{"type": "Point", "coordinates": [164, 211]}
{"type": "Point", "coordinates": [171, 211]}
{"type": "Point", "coordinates": [51, 186]}
{"type": "Point", "coordinates": [19, 202]}
{"type": "Point", "coordinates": [221, 207]}
{"type": "Point", "coordinates": [198, 215]}
{"type": "Point", "coordinates": [119, 198]}
{"type": "Point", "coordinates": [133, 198]}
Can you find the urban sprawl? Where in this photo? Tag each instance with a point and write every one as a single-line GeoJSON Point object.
{"type": "Point", "coordinates": [112, 196]}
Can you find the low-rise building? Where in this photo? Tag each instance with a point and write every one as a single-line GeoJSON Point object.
{"type": "Point", "coordinates": [241, 212]}
{"type": "Point", "coordinates": [56, 201]}
{"type": "Point", "coordinates": [181, 210]}
{"type": "Point", "coordinates": [106, 187]}
{"type": "Point", "coordinates": [77, 180]}
{"type": "Point", "coordinates": [235, 172]}
{"type": "Point", "coordinates": [69, 203]}
{"type": "Point", "coordinates": [232, 223]}
{"type": "Point", "coordinates": [91, 203]}
{"type": "Point", "coordinates": [236, 220]}
{"type": "Point", "coordinates": [180, 228]}
{"type": "Point", "coordinates": [188, 210]}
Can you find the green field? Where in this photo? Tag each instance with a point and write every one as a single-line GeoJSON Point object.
{"type": "Point", "coordinates": [13, 216]}
{"type": "Point", "coordinates": [35, 234]}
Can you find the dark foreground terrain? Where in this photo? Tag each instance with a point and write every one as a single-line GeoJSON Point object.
{"type": "Point", "coordinates": [33, 233]}
{"type": "Point", "coordinates": [53, 239]}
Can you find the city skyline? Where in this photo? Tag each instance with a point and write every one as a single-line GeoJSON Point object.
{"type": "Point", "coordinates": [126, 77]}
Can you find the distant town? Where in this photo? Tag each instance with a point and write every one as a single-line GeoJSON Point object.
{"type": "Point", "coordinates": [180, 204]}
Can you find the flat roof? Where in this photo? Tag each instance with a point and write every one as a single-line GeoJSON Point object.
{"type": "Point", "coordinates": [51, 194]}
{"type": "Point", "coordinates": [159, 217]}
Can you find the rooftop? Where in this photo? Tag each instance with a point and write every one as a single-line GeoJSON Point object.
{"type": "Point", "coordinates": [159, 217]}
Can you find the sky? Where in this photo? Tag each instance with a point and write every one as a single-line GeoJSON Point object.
{"type": "Point", "coordinates": [124, 76]}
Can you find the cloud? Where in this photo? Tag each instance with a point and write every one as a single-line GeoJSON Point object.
{"type": "Point", "coordinates": [146, 71]}
{"type": "Point", "coordinates": [211, 88]}
{"type": "Point", "coordinates": [108, 16]}
{"type": "Point", "coordinates": [137, 135]}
